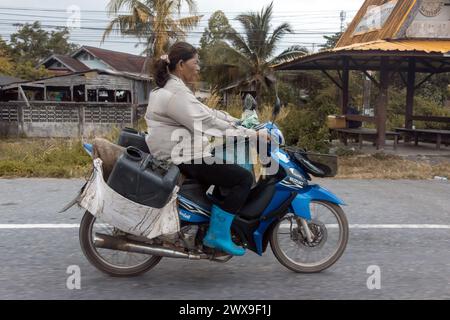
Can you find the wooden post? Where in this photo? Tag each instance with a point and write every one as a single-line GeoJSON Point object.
{"type": "Point", "coordinates": [366, 94]}
{"type": "Point", "coordinates": [134, 116]}
{"type": "Point", "coordinates": [410, 93]}
{"type": "Point", "coordinates": [21, 120]}
{"type": "Point", "coordinates": [438, 141]}
{"type": "Point", "coordinates": [24, 96]}
{"type": "Point", "coordinates": [81, 121]}
{"type": "Point", "coordinates": [381, 108]}
{"type": "Point", "coordinates": [133, 92]}
{"type": "Point", "coordinates": [345, 85]}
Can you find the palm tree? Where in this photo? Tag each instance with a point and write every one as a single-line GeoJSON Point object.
{"type": "Point", "coordinates": [151, 21]}
{"type": "Point", "coordinates": [254, 51]}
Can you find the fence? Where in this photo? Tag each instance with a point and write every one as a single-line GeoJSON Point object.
{"type": "Point", "coordinates": [66, 119]}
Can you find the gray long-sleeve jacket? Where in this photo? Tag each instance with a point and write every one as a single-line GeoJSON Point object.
{"type": "Point", "coordinates": [179, 124]}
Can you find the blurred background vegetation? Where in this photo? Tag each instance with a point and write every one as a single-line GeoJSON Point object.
{"type": "Point", "coordinates": [227, 57]}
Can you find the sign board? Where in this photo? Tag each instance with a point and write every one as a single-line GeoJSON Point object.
{"type": "Point", "coordinates": [375, 17]}
{"type": "Point", "coordinates": [432, 20]}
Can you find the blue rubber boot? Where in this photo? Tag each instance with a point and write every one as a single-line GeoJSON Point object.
{"type": "Point", "coordinates": [219, 233]}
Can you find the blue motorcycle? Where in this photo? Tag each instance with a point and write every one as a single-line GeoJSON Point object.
{"type": "Point", "coordinates": [303, 222]}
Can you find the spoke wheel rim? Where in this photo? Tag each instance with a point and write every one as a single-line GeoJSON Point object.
{"type": "Point", "coordinates": [114, 255]}
{"type": "Point", "coordinates": [331, 231]}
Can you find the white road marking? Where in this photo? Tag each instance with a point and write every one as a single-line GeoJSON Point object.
{"type": "Point", "coordinates": [331, 226]}
{"type": "Point", "coordinates": [39, 226]}
{"type": "Point", "coordinates": [386, 226]}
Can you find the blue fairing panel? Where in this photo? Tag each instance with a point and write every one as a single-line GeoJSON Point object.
{"type": "Point", "coordinates": [89, 148]}
{"type": "Point", "coordinates": [191, 217]}
{"type": "Point", "coordinates": [301, 203]}
{"type": "Point", "coordinates": [276, 202]}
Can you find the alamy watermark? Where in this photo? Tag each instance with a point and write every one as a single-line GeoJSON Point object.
{"type": "Point", "coordinates": [73, 282]}
{"type": "Point", "coordinates": [234, 148]}
{"type": "Point", "coordinates": [74, 19]}
{"type": "Point", "coordinates": [374, 280]}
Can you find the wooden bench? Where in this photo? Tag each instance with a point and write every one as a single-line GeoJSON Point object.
{"type": "Point", "coordinates": [427, 135]}
{"type": "Point", "coordinates": [364, 134]}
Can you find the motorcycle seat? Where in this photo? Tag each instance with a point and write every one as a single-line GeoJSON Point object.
{"type": "Point", "coordinates": [257, 201]}
{"type": "Point", "coordinates": [196, 193]}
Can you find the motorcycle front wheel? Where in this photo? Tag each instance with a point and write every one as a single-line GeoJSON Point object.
{"type": "Point", "coordinates": [112, 262]}
{"type": "Point", "coordinates": [328, 237]}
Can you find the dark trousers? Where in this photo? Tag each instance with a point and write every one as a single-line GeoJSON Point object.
{"type": "Point", "coordinates": [236, 179]}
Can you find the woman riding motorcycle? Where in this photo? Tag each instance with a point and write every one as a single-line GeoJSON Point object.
{"type": "Point", "coordinates": [177, 123]}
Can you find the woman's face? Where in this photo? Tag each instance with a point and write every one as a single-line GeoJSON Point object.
{"type": "Point", "coordinates": [189, 70]}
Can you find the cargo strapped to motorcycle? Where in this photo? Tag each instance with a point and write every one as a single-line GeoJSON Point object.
{"type": "Point", "coordinates": [128, 216]}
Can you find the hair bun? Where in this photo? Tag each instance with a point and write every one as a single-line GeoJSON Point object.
{"type": "Point", "coordinates": [165, 58]}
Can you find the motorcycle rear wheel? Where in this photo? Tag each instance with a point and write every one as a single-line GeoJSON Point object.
{"type": "Point", "coordinates": [86, 235]}
{"type": "Point", "coordinates": [299, 243]}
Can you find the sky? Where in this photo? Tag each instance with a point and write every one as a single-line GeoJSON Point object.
{"type": "Point", "coordinates": [310, 19]}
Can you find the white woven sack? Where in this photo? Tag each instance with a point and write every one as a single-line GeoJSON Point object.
{"type": "Point", "coordinates": [112, 208]}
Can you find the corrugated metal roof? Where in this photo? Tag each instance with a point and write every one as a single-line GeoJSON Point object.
{"type": "Point", "coordinates": [73, 64]}
{"type": "Point", "coordinates": [367, 55]}
{"type": "Point", "coordinates": [6, 80]}
{"type": "Point", "coordinates": [426, 46]}
{"type": "Point", "coordinates": [392, 26]}
{"type": "Point", "coordinates": [120, 61]}
{"type": "Point", "coordinates": [139, 77]}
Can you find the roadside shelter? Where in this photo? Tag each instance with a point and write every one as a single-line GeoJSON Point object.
{"type": "Point", "coordinates": [404, 36]}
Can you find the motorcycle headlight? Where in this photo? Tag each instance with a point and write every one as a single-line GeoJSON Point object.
{"type": "Point", "coordinates": [296, 174]}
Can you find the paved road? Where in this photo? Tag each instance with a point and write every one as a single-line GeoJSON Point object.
{"type": "Point", "coordinates": [414, 263]}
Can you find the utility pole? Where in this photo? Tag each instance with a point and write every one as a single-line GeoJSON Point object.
{"type": "Point", "coordinates": [343, 16]}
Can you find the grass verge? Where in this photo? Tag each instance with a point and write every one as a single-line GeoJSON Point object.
{"type": "Point", "coordinates": [49, 158]}
{"type": "Point", "coordinates": [383, 166]}
{"type": "Point", "coordinates": [65, 158]}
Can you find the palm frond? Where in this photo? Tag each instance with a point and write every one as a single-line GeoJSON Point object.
{"type": "Point", "coordinates": [188, 23]}
{"type": "Point", "coordinates": [240, 43]}
{"type": "Point", "coordinates": [152, 20]}
{"type": "Point", "coordinates": [278, 33]}
{"type": "Point", "coordinates": [192, 6]}
{"type": "Point", "coordinates": [289, 54]}
{"type": "Point", "coordinates": [126, 25]}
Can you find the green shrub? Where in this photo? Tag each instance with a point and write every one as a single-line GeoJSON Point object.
{"type": "Point", "coordinates": [306, 127]}
{"type": "Point", "coordinates": [423, 106]}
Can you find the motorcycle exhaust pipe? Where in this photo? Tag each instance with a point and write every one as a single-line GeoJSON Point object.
{"type": "Point", "coordinates": [108, 242]}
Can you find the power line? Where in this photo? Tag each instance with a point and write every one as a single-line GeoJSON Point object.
{"type": "Point", "coordinates": [102, 11]}
{"type": "Point", "coordinates": [94, 24]}
{"type": "Point", "coordinates": [56, 19]}
{"type": "Point", "coordinates": [281, 45]}
{"type": "Point", "coordinates": [313, 32]}
{"type": "Point", "coordinates": [23, 22]}
{"type": "Point", "coordinates": [274, 16]}
{"type": "Point", "coordinates": [63, 19]}
{"type": "Point", "coordinates": [106, 20]}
